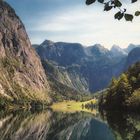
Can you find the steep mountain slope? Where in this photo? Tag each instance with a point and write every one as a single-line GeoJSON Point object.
{"type": "Point", "coordinates": [68, 76]}
{"type": "Point", "coordinates": [133, 57]}
{"type": "Point", "coordinates": [61, 86]}
{"type": "Point", "coordinates": [84, 69]}
{"type": "Point", "coordinates": [21, 73]}
{"type": "Point", "coordinates": [66, 59]}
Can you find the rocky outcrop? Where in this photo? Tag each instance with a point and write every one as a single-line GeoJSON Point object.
{"type": "Point", "coordinates": [21, 72]}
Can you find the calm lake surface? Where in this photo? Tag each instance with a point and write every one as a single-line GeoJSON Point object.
{"type": "Point", "coordinates": [50, 125]}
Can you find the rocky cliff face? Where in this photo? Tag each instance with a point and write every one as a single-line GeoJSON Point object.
{"type": "Point", "coordinates": [21, 72]}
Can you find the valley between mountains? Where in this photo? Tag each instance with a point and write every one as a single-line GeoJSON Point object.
{"type": "Point", "coordinates": [86, 69]}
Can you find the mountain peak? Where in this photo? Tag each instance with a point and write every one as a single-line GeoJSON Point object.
{"type": "Point", "coordinates": [98, 46]}
{"type": "Point", "coordinates": [115, 47]}
{"type": "Point", "coordinates": [47, 43]}
{"type": "Point", "coordinates": [131, 47]}
{"type": "Point", "coordinates": [98, 49]}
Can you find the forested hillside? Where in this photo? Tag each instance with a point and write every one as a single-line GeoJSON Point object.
{"type": "Point", "coordinates": [124, 92]}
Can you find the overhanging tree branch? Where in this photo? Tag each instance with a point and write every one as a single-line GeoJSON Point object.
{"type": "Point", "coordinates": [122, 12]}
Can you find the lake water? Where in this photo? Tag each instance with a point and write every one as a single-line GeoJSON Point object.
{"type": "Point", "coordinates": [50, 125]}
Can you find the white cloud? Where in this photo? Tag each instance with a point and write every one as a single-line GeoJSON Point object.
{"type": "Point", "coordinates": [87, 25]}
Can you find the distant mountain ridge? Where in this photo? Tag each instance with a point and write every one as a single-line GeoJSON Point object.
{"type": "Point", "coordinates": [87, 69]}
{"type": "Point", "coordinates": [83, 68]}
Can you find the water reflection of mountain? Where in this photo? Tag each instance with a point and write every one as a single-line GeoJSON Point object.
{"type": "Point", "coordinates": [24, 126]}
{"type": "Point", "coordinates": [48, 125]}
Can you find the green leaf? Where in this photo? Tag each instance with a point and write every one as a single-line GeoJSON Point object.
{"type": "Point", "coordinates": [137, 13]}
{"type": "Point", "coordinates": [134, 1]}
{"type": "Point", "coordinates": [107, 7]}
{"type": "Point", "coordinates": [128, 17]}
{"type": "Point", "coordinates": [88, 2]}
{"type": "Point", "coordinates": [117, 3]}
{"type": "Point", "coordinates": [101, 1]}
{"type": "Point", "coordinates": [119, 15]}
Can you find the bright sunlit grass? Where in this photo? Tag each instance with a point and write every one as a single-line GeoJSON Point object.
{"type": "Point", "coordinates": [73, 106]}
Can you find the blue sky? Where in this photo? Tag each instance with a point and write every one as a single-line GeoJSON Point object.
{"type": "Point", "coordinates": [73, 21]}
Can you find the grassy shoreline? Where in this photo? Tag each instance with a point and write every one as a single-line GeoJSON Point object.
{"type": "Point", "coordinates": [73, 106]}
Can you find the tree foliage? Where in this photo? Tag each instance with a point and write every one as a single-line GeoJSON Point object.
{"type": "Point", "coordinates": [124, 92]}
{"type": "Point", "coordinates": [116, 4]}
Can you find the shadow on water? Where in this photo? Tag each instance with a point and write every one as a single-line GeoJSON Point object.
{"type": "Point", "coordinates": [125, 126]}
{"type": "Point", "coordinates": [49, 125]}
